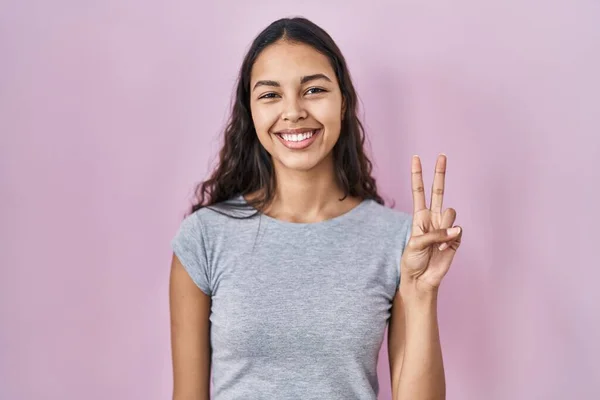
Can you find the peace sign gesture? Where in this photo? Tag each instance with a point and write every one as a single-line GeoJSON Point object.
{"type": "Point", "coordinates": [432, 245]}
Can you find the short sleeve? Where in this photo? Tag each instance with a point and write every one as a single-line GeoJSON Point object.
{"type": "Point", "coordinates": [407, 233]}
{"type": "Point", "coordinates": [189, 246]}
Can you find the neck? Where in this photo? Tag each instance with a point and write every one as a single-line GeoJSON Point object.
{"type": "Point", "coordinates": [308, 196]}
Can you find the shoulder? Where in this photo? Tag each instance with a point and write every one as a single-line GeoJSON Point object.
{"type": "Point", "coordinates": [386, 215]}
{"type": "Point", "coordinates": [387, 221]}
{"type": "Point", "coordinates": [215, 218]}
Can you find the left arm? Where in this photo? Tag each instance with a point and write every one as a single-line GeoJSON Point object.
{"type": "Point", "coordinates": [416, 363]}
{"type": "Point", "coordinates": [414, 339]}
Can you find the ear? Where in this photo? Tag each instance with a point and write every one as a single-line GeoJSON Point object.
{"type": "Point", "coordinates": [343, 107]}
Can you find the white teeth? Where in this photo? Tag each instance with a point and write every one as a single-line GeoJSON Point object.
{"type": "Point", "coordinates": [297, 137]}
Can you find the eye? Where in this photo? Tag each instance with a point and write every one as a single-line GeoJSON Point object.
{"type": "Point", "coordinates": [269, 95]}
{"type": "Point", "coordinates": [315, 90]}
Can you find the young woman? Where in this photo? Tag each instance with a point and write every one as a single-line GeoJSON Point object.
{"type": "Point", "coordinates": [287, 271]}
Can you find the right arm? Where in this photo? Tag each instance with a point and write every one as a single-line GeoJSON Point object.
{"type": "Point", "coordinates": [190, 336]}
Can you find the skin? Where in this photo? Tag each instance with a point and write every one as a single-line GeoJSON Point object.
{"type": "Point", "coordinates": [415, 353]}
{"type": "Point", "coordinates": [190, 338]}
{"type": "Point", "coordinates": [282, 97]}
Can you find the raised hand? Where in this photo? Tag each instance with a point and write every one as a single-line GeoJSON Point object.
{"type": "Point", "coordinates": [432, 244]}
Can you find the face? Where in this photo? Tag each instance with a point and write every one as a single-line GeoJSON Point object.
{"type": "Point", "coordinates": [296, 105]}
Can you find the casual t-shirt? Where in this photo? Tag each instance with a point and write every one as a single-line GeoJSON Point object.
{"type": "Point", "coordinates": [298, 309]}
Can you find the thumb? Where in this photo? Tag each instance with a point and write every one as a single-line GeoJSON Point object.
{"type": "Point", "coordinates": [435, 237]}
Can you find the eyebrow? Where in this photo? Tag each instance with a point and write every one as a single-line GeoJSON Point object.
{"type": "Point", "coordinates": [303, 80]}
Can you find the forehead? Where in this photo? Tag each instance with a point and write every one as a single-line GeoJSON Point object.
{"type": "Point", "coordinates": [284, 61]}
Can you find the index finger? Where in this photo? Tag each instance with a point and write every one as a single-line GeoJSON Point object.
{"type": "Point", "coordinates": [418, 190]}
{"type": "Point", "coordinates": [437, 191]}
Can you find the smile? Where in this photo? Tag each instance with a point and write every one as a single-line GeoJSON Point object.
{"type": "Point", "coordinates": [298, 139]}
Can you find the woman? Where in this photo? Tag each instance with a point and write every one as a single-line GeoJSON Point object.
{"type": "Point", "coordinates": [287, 271]}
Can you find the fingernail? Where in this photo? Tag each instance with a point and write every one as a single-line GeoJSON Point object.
{"type": "Point", "coordinates": [454, 231]}
{"type": "Point", "coordinates": [443, 246]}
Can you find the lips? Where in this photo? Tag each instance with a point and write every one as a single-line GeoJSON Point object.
{"type": "Point", "coordinates": [298, 139]}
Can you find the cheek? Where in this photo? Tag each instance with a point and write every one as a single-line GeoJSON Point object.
{"type": "Point", "coordinates": [263, 118]}
{"type": "Point", "coordinates": [329, 114]}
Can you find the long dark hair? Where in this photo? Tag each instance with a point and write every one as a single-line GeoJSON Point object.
{"type": "Point", "coordinates": [245, 166]}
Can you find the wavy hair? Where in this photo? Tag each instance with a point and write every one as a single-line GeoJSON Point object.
{"type": "Point", "coordinates": [244, 165]}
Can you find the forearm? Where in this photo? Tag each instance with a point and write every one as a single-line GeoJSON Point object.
{"type": "Point", "coordinates": [422, 374]}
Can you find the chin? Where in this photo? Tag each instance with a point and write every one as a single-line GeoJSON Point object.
{"type": "Point", "coordinates": [301, 164]}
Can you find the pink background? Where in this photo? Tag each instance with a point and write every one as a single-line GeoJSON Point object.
{"type": "Point", "coordinates": [111, 110]}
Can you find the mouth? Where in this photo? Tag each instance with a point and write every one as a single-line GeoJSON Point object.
{"type": "Point", "coordinates": [298, 139]}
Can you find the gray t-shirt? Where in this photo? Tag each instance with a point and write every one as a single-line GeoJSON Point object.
{"type": "Point", "coordinates": [298, 310]}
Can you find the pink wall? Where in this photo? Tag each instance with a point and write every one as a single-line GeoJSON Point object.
{"type": "Point", "coordinates": [110, 110]}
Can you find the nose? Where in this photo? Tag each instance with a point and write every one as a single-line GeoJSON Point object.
{"type": "Point", "coordinates": [293, 111]}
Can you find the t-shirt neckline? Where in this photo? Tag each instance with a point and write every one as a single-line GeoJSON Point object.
{"type": "Point", "coordinates": [327, 222]}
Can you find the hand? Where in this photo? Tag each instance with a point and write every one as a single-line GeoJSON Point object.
{"type": "Point", "coordinates": [431, 248]}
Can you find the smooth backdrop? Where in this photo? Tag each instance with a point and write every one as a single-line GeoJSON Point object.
{"type": "Point", "coordinates": [110, 112]}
